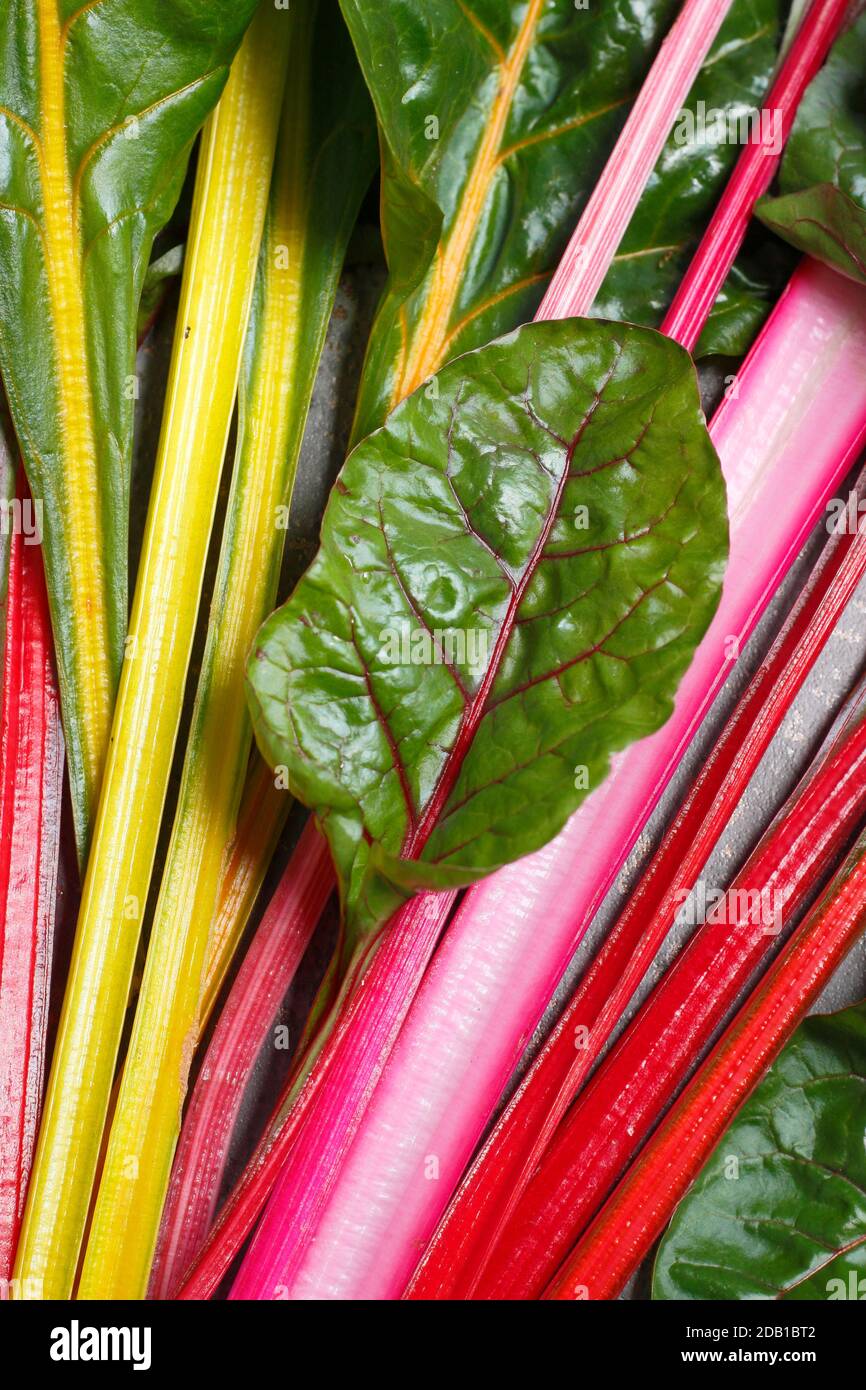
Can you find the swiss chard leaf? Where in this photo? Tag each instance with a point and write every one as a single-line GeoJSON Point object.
{"type": "Point", "coordinates": [513, 575]}
{"type": "Point", "coordinates": [821, 205]}
{"type": "Point", "coordinates": [496, 121]}
{"type": "Point", "coordinates": [99, 104]}
{"type": "Point", "coordinates": [779, 1211]}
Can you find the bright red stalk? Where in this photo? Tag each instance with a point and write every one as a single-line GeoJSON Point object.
{"type": "Point", "coordinates": [244, 1026]}
{"type": "Point", "coordinates": [492, 1188]}
{"type": "Point", "coordinates": [614, 1114]}
{"type": "Point", "coordinates": [31, 793]}
{"type": "Point", "coordinates": [643, 1203]}
{"type": "Point", "coordinates": [755, 169]}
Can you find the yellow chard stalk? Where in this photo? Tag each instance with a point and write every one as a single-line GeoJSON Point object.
{"type": "Point", "coordinates": [228, 216]}
{"type": "Point", "coordinates": [308, 226]}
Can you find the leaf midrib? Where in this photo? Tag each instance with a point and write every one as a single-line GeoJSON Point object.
{"type": "Point", "coordinates": [425, 354]}
{"type": "Point", "coordinates": [474, 712]}
{"type": "Point", "coordinates": [79, 479]}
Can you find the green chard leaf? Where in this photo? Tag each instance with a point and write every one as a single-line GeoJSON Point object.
{"type": "Point", "coordinates": [158, 277]}
{"type": "Point", "coordinates": [779, 1211]}
{"type": "Point", "coordinates": [496, 121]}
{"type": "Point", "coordinates": [821, 203]}
{"type": "Point", "coordinates": [99, 105]}
{"type": "Point", "coordinates": [513, 575]}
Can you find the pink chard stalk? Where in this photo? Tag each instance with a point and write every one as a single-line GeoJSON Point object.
{"type": "Point", "coordinates": [244, 1026]}
{"type": "Point", "coordinates": [317, 1122]}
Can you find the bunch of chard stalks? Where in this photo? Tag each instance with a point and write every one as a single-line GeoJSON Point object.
{"type": "Point", "coordinates": [111, 1173]}
{"type": "Point", "coordinates": [429, 1092]}
{"type": "Point", "coordinates": [254, 305]}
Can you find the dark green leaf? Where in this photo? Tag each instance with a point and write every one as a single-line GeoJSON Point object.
{"type": "Point", "coordinates": [743, 303]}
{"type": "Point", "coordinates": [496, 122]}
{"type": "Point", "coordinates": [821, 207]}
{"type": "Point", "coordinates": [779, 1211]}
{"type": "Point", "coordinates": [99, 104]}
{"type": "Point", "coordinates": [685, 187]}
{"type": "Point", "coordinates": [160, 273]}
{"type": "Point", "coordinates": [514, 573]}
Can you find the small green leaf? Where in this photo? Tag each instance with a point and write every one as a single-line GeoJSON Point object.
{"type": "Point", "coordinates": [779, 1211]}
{"type": "Point", "coordinates": [821, 207]}
{"type": "Point", "coordinates": [513, 575]}
{"type": "Point", "coordinates": [742, 303]}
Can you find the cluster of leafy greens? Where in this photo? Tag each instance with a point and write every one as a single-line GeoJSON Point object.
{"type": "Point", "coordinates": [779, 1211]}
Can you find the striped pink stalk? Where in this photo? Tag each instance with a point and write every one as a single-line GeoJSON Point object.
{"type": "Point", "coordinates": [787, 433]}
{"type": "Point", "coordinates": [321, 1121]}
{"type": "Point", "coordinates": [306, 1181]}
{"type": "Point", "coordinates": [244, 1026]}
{"type": "Point", "coordinates": [31, 802]}
{"type": "Point", "coordinates": [587, 257]}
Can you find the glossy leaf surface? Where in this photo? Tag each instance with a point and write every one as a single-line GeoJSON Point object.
{"type": "Point", "coordinates": [160, 273]}
{"type": "Point", "coordinates": [779, 1211]}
